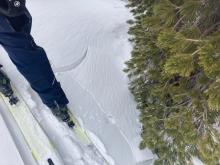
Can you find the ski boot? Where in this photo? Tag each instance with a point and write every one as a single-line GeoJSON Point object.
{"type": "Point", "coordinates": [6, 89]}
{"type": "Point", "coordinates": [61, 112]}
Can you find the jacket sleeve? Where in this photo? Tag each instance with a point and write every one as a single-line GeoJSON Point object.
{"type": "Point", "coordinates": [12, 8]}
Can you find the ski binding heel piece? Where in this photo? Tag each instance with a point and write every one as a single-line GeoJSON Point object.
{"type": "Point", "coordinates": [13, 100]}
{"type": "Point", "coordinates": [71, 124]}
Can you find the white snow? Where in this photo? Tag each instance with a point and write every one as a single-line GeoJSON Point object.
{"type": "Point", "coordinates": [197, 161]}
{"type": "Point", "coordinates": [87, 44]}
{"type": "Point", "coordinates": [8, 149]}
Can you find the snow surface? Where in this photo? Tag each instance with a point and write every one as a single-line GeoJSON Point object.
{"type": "Point", "coordinates": [87, 44]}
{"type": "Point", "coordinates": [8, 149]}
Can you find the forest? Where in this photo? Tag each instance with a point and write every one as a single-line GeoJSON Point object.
{"type": "Point", "coordinates": [174, 75]}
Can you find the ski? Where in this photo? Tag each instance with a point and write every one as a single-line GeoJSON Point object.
{"type": "Point", "coordinates": [84, 138]}
{"type": "Point", "coordinates": [40, 146]}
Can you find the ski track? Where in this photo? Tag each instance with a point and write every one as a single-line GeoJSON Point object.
{"type": "Point", "coordinates": [100, 119]}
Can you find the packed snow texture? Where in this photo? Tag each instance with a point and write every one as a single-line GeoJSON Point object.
{"type": "Point", "coordinates": [87, 44]}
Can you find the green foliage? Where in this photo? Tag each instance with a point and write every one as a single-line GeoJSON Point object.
{"type": "Point", "coordinates": [174, 76]}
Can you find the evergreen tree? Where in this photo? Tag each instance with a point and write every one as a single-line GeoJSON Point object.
{"type": "Point", "coordinates": [174, 75]}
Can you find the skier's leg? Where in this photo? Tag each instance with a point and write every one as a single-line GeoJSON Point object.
{"type": "Point", "coordinates": [31, 60]}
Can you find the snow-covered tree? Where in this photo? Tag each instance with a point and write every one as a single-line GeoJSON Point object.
{"type": "Point", "coordinates": [174, 75]}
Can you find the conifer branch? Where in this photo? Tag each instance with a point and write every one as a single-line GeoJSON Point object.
{"type": "Point", "coordinates": [194, 53]}
{"type": "Point", "coordinates": [192, 40]}
{"type": "Point", "coordinates": [209, 30]}
{"type": "Point", "coordinates": [175, 6]}
{"type": "Point", "coordinates": [178, 22]}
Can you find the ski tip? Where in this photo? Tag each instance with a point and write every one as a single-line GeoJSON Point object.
{"type": "Point", "coordinates": [50, 161]}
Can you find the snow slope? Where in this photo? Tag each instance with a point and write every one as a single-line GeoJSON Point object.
{"type": "Point", "coordinates": [86, 42]}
